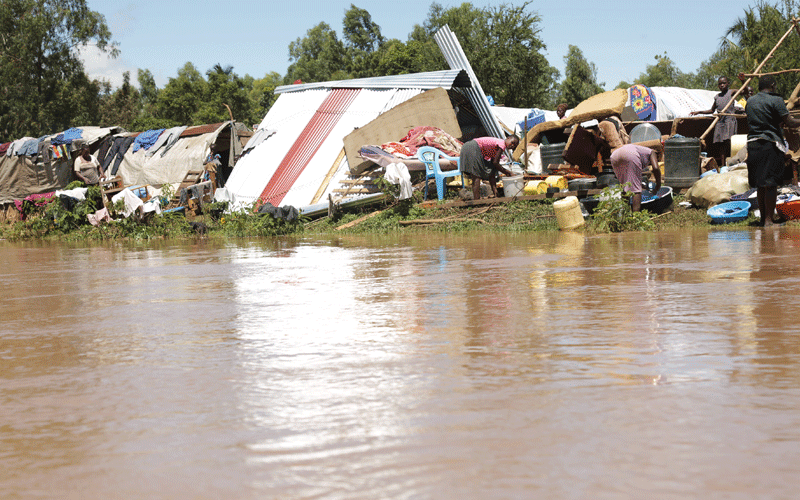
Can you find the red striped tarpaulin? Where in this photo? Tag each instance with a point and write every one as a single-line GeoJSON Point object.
{"type": "Point", "coordinates": [307, 144]}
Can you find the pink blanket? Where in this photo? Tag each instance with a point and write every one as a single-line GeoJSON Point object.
{"type": "Point", "coordinates": [424, 136]}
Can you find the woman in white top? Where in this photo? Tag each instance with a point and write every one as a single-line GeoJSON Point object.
{"type": "Point", "coordinates": [87, 168]}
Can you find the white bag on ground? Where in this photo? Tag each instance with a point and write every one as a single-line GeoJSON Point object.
{"type": "Point", "coordinates": [718, 188]}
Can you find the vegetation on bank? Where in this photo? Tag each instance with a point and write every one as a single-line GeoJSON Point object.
{"type": "Point", "coordinates": [52, 220]}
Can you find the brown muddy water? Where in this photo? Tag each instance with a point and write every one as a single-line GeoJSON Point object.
{"type": "Point", "coordinates": [661, 365]}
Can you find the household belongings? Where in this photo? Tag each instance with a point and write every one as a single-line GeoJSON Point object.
{"type": "Point", "coordinates": [715, 189]}
{"type": "Point", "coordinates": [730, 211]}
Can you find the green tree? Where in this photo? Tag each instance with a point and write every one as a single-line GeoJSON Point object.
{"type": "Point", "coordinates": [181, 97]}
{"type": "Point", "coordinates": [664, 73]}
{"type": "Point", "coordinates": [503, 45]}
{"type": "Point", "coordinates": [148, 90]}
{"type": "Point", "coordinates": [360, 32]}
{"type": "Point", "coordinates": [362, 40]}
{"type": "Point", "coordinates": [748, 41]}
{"type": "Point", "coordinates": [318, 57]}
{"type": "Point", "coordinates": [262, 96]}
{"type": "Point", "coordinates": [580, 78]}
{"type": "Point", "coordinates": [120, 107]}
{"type": "Point", "coordinates": [224, 90]}
{"type": "Point", "coordinates": [398, 58]}
{"type": "Point", "coordinates": [43, 85]}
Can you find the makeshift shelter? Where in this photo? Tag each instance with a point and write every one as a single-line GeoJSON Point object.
{"type": "Point", "coordinates": [186, 154]}
{"type": "Point", "coordinates": [303, 157]}
{"type": "Point", "coordinates": [676, 102]}
{"type": "Point", "coordinates": [49, 167]}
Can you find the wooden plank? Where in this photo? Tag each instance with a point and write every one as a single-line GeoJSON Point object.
{"type": "Point", "coordinates": [367, 182]}
{"type": "Point", "coordinates": [747, 82]}
{"type": "Point", "coordinates": [534, 197]}
{"type": "Point", "coordinates": [331, 172]}
{"type": "Point", "coordinates": [356, 191]}
{"type": "Point", "coordinates": [431, 108]}
{"type": "Point", "coordinates": [360, 220]}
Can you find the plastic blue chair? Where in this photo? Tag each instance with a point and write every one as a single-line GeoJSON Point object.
{"type": "Point", "coordinates": [430, 157]}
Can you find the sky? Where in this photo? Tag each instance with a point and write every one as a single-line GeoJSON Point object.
{"type": "Point", "coordinates": [620, 37]}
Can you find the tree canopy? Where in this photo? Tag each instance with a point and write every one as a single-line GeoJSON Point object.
{"type": "Point", "coordinates": [580, 78]}
{"type": "Point", "coordinates": [39, 57]}
{"type": "Point", "coordinates": [44, 87]}
{"type": "Point", "coordinates": [748, 41]}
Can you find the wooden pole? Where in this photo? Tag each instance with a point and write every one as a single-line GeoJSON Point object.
{"type": "Point", "coordinates": [793, 98]}
{"type": "Point", "coordinates": [733, 99]}
{"type": "Point", "coordinates": [328, 177]}
{"type": "Point", "coordinates": [773, 73]}
{"type": "Point", "coordinates": [525, 141]}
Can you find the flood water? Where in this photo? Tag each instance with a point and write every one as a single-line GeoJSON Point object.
{"type": "Point", "coordinates": [656, 365]}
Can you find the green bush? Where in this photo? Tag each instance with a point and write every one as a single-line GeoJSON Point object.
{"type": "Point", "coordinates": [614, 215]}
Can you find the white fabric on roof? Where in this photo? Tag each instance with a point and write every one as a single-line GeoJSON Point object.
{"type": "Point", "coordinates": [186, 154]}
{"type": "Point", "coordinates": [510, 117]}
{"type": "Point", "coordinates": [90, 135]}
{"type": "Point", "coordinates": [677, 102]}
{"type": "Point", "coordinates": [288, 117]}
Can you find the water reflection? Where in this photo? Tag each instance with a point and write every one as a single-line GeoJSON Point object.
{"type": "Point", "coordinates": [481, 365]}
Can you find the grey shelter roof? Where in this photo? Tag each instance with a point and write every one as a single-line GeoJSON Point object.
{"type": "Point", "coordinates": [446, 79]}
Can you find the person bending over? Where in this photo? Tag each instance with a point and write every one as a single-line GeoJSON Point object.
{"type": "Point", "coordinates": [480, 160]}
{"type": "Point", "coordinates": [629, 162]}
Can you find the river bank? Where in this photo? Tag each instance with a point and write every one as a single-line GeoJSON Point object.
{"type": "Point", "coordinates": [52, 221]}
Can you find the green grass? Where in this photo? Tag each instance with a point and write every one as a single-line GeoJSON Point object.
{"type": "Point", "coordinates": [53, 221]}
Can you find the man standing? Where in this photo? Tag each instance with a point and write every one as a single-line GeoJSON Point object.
{"type": "Point", "coordinates": [629, 162]}
{"type": "Point", "coordinates": [766, 148]}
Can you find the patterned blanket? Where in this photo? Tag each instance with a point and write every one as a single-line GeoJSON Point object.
{"type": "Point", "coordinates": [643, 102]}
{"type": "Point", "coordinates": [424, 136]}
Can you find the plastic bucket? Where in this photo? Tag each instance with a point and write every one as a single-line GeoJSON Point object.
{"type": "Point", "coordinates": [513, 186]}
{"type": "Point", "coordinates": [568, 213]}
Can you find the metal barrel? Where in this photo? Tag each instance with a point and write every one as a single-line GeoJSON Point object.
{"type": "Point", "coordinates": [681, 162]}
{"type": "Point", "coordinates": [552, 154]}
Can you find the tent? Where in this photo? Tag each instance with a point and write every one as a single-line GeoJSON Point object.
{"type": "Point", "coordinates": [22, 175]}
{"type": "Point", "coordinates": [186, 154]}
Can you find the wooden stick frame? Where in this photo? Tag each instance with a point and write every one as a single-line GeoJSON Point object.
{"type": "Point", "coordinates": [755, 73]}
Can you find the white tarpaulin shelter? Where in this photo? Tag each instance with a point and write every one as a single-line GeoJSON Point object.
{"type": "Point", "coordinates": [188, 153]}
{"type": "Point", "coordinates": [676, 102]}
{"type": "Point", "coordinates": [310, 122]}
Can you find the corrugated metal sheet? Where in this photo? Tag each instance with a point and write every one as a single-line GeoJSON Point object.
{"type": "Point", "coordinates": [310, 140]}
{"type": "Point", "coordinates": [369, 104]}
{"type": "Point", "coordinates": [201, 129]}
{"type": "Point", "coordinates": [400, 96]}
{"type": "Point", "coordinates": [455, 57]}
{"type": "Point", "coordinates": [288, 117]}
{"type": "Point", "coordinates": [447, 79]}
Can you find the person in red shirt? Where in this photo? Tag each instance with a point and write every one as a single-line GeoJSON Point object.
{"type": "Point", "coordinates": [480, 160]}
